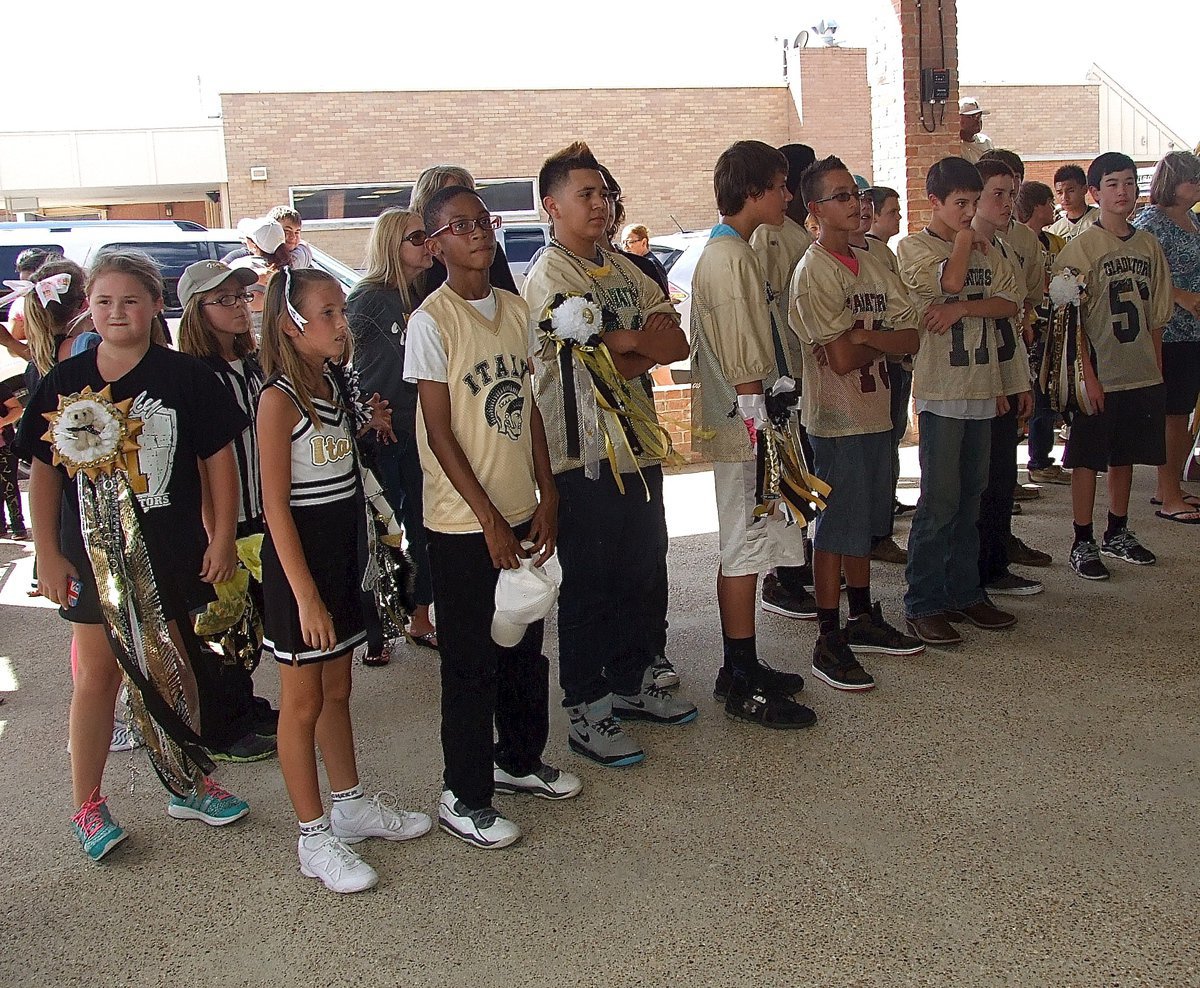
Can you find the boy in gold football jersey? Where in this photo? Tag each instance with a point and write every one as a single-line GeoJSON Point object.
{"type": "Point", "coordinates": [1128, 299]}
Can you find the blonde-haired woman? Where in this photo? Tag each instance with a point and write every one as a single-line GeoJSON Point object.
{"type": "Point", "coordinates": [431, 180]}
{"type": "Point", "coordinates": [378, 310]}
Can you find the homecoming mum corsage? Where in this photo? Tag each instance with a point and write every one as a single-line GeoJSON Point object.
{"type": "Point", "coordinates": [1061, 372]}
{"type": "Point", "coordinates": [602, 411]}
{"type": "Point", "coordinates": [96, 440]}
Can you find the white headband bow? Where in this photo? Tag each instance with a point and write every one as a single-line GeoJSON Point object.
{"type": "Point", "coordinates": [298, 319]}
{"type": "Point", "coordinates": [48, 290]}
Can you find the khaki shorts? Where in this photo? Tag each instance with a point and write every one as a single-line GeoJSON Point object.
{"type": "Point", "coordinates": [751, 545]}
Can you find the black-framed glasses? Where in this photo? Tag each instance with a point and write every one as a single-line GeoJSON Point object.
{"type": "Point", "coordinates": [417, 238]}
{"type": "Point", "coordinates": [229, 301]}
{"type": "Point", "coordinates": [843, 197]}
{"type": "Point", "coordinates": [460, 228]}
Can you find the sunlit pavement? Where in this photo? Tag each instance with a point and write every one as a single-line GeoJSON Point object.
{"type": "Point", "coordinates": [1019, 810]}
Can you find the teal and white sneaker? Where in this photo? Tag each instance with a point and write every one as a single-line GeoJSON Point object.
{"type": "Point", "coordinates": [95, 828]}
{"type": "Point", "coordinates": [212, 804]}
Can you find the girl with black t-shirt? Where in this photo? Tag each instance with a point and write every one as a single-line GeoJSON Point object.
{"type": "Point", "coordinates": [186, 417]}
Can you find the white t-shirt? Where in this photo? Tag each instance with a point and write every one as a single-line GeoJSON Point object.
{"type": "Point", "coordinates": [424, 352]}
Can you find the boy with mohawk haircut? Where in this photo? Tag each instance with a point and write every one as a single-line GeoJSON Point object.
{"type": "Point", "coordinates": [612, 531]}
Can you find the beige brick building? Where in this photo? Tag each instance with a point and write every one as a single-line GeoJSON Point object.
{"type": "Point", "coordinates": [660, 143]}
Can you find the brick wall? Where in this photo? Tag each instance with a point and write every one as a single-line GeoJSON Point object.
{"type": "Point", "coordinates": [674, 406]}
{"type": "Point", "coordinates": [935, 138]}
{"type": "Point", "coordinates": [1063, 121]}
{"type": "Point", "coordinates": [660, 143]}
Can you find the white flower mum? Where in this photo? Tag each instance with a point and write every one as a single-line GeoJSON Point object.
{"type": "Point", "coordinates": [1066, 287]}
{"type": "Point", "coordinates": [576, 318]}
{"type": "Point", "coordinates": [87, 431]}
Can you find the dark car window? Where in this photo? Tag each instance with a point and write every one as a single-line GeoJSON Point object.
{"type": "Point", "coordinates": [520, 245]}
{"type": "Point", "coordinates": [667, 255]}
{"type": "Point", "coordinates": [171, 258]}
{"type": "Point", "coordinates": [8, 265]}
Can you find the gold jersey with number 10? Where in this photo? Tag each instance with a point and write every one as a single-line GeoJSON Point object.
{"type": "Point", "coordinates": [1128, 285]}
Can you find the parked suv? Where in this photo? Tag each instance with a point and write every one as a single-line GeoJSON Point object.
{"type": "Point", "coordinates": [174, 245]}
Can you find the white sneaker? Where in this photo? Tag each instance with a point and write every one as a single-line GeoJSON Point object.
{"type": "Point", "coordinates": [124, 737]}
{"type": "Point", "coordinates": [325, 857]}
{"type": "Point", "coordinates": [354, 820]}
{"type": "Point", "coordinates": [484, 828]}
{"type": "Point", "coordinates": [546, 782]}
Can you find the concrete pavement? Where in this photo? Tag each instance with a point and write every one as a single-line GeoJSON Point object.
{"type": "Point", "coordinates": [1019, 810]}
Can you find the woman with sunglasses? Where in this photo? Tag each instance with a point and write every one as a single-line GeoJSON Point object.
{"type": "Point", "coordinates": [377, 310]}
{"type": "Point", "coordinates": [430, 181]}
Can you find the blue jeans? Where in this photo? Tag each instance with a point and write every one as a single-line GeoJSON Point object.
{"type": "Point", "coordinates": [943, 546]}
{"type": "Point", "coordinates": [399, 467]}
{"type": "Point", "coordinates": [1041, 431]}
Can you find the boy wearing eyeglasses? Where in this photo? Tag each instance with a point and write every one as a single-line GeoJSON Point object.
{"type": "Point", "coordinates": [612, 544]}
{"type": "Point", "coordinates": [484, 461]}
{"type": "Point", "coordinates": [965, 286]}
{"type": "Point", "coordinates": [852, 313]}
{"type": "Point", "coordinates": [734, 364]}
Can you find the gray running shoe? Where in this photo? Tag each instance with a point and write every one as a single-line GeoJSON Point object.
{"type": "Point", "coordinates": [654, 704]}
{"type": "Point", "coordinates": [596, 734]}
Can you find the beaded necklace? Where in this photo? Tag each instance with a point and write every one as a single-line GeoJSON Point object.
{"type": "Point", "coordinates": [592, 271]}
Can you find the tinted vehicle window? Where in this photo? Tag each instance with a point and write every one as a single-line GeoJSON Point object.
{"type": "Point", "coordinates": [8, 265]}
{"type": "Point", "coordinates": [171, 258]}
{"type": "Point", "coordinates": [667, 255]}
{"type": "Point", "coordinates": [520, 245]}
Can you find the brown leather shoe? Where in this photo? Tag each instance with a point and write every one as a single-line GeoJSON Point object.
{"type": "Point", "coordinates": [984, 615]}
{"type": "Point", "coordinates": [934, 629]}
{"type": "Point", "coordinates": [887, 551]}
{"type": "Point", "coordinates": [1026, 492]}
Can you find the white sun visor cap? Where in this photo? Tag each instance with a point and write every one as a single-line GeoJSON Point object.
{"type": "Point", "coordinates": [264, 231]}
{"type": "Point", "coordinates": [523, 596]}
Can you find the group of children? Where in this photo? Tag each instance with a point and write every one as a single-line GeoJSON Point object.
{"type": "Point", "coordinates": [534, 442]}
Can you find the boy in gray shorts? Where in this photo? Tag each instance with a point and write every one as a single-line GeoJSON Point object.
{"type": "Point", "coordinates": [852, 311]}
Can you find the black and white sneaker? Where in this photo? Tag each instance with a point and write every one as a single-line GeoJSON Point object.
{"type": "Point", "coordinates": [778, 599]}
{"type": "Point", "coordinates": [772, 680]}
{"type": "Point", "coordinates": [484, 828]}
{"type": "Point", "coordinates": [749, 702]}
{"type": "Point", "coordinates": [835, 664]}
{"type": "Point", "coordinates": [546, 782]}
{"type": "Point", "coordinates": [871, 634]}
{"type": "Point", "coordinates": [1011, 585]}
{"type": "Point", "coordinates": [1125, 545]}
{"type": "Point", "coordinates": [664, 673]}
{"type": "Point", "coordinates": [1085, 560]}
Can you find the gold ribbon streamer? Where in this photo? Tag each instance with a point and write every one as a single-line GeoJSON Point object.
{"type": "Point", "coordinates": [786, 478]}
{"type": "Point", "coordinates": [630, 404]}
{"type": "Point", "coordinates": [94, 438]}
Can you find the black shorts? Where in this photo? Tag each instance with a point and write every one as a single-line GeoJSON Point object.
{"type": "Point", "coordinates": [1181, 376]}
{"type": "Point", "coordinates": [1130, 430]}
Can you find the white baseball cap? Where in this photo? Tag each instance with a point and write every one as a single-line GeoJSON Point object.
{"type": "Point", "coordinates": [204, 276]}
{"type": "Point", "coordinates": [523, 596]}
{"type": "Point", "coordinates": [264, 231]}
{"type": "Point", "coordinates": [969, 106]}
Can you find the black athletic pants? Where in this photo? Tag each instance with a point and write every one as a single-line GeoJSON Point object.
{"type": "Point", "coordinates": [483, 683]}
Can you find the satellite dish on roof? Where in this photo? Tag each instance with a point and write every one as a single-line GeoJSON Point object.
{"type": "Point", "coordinates": [801, 40]}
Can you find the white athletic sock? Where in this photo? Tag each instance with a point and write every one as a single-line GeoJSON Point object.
{"type": "Point", "coordinates": [347, 794]}
{"type": "Point", "coordinates": [314, 827]}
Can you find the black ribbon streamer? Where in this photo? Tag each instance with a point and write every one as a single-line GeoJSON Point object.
{"type": "Point", "coordinates": [566, 364]}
